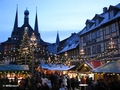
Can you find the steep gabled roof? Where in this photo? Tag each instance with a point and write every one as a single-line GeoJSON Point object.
{"type": "Point", "coordinates": [52, 48]}
{"type": "Point", "coordinates": [71, 43]}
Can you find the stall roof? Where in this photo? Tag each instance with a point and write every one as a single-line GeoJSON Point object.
{"type": "Point", "coordinates": [14, 67]}
{"type": "Point", "coordinates": [94, 63]}
{"type": "Point", "coordinates": [59, 67]}
{"type": "Point", "coordinates": [110, 67]}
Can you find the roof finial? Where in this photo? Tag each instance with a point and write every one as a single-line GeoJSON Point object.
{"type": "Point", "coordinates": [17, 6]}
{"type": "Point", "coordinates": [36, 9]}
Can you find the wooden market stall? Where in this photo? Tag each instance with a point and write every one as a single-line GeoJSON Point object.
{"type": "Point", "coordinates": [9, 71]}
{"type": "Point", "coordinates": [55, 68]}
{"type": "Point", "coordinates": [84, 69]}
{"type": "Point", "coordinates": [110, 70]}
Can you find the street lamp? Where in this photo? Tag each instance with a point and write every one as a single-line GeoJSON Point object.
{"type": "Point", "coordinates": [33, 45]}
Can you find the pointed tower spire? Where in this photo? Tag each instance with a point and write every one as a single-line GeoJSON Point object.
{"type": "Point", "coordinates": [36, 26]}
{"type": "Point", "coordinates": [57, 39]}
{"type": "Point", "coordinates": [16, 21]}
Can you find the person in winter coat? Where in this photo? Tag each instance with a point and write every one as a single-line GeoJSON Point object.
{"type": "Point", "coordinates": [73, 83]}
{"type": "Point", "coordinates": [64, 81]}
{"type": "Point", "coordinates": [63, 87]}
{"type": "Point", "coordinates": [45, 87]}
{"type": "Point", "coordinates": [22, 85]}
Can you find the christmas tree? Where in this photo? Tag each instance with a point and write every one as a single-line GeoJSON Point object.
{"type": "Point", "coordinates": [24, 50]}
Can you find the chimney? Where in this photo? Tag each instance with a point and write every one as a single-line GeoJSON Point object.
{"type": "Point", "coordinates": [104, 9]}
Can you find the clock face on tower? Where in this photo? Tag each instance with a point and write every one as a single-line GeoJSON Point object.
{"type": "Point", "coordinates": [26, 29]}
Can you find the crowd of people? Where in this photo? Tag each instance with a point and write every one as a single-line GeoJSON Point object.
{"type": "Point", "coordinates": [41, 81]}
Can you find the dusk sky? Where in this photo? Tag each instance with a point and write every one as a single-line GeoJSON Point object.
{"type": "Point", "coordinates": [64, 16]}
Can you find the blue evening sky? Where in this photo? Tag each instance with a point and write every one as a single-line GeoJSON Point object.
{"type": "Point", "coordinates": [64, 16]}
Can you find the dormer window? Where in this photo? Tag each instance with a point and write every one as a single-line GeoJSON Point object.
{"type": "Point", "coordinates": [113, 10]}
{"type": "Point", "coordinates": [98, 19]}
{"type": "Point", "coordinates": [88, 26]}
{"type": "Point", "coordinates": [111, 14]}
{"type": "Point", "coordinates": [97, 22]}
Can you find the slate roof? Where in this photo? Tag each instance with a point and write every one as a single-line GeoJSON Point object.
{"type": "Point", "coordinates": [71, 43]}
{"type": "Point", "coordinates": [105, 20]}
{"type": "Point", "coordinates": [52, 48]}
{"type": "Point", "coordinates": [110, 67]}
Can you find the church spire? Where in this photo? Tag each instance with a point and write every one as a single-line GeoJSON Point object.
{"type": "Point", "coordinates": [36, 25]}
{"type": "Point", "coordinates": [57, 39]}
{"type": "Point", "coordinates": [16, 21]}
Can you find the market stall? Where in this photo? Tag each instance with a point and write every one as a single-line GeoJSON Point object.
{"type": "Point", "coordinates": [55, 68]}
{"type": "Point", "coordinates": [84, 69]}
{"type": "Point", "coordinates": [9, 71]}
{"type": "Point", "coordinates": [110, 69]}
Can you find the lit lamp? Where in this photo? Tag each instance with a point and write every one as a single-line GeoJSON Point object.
{"type": "Point", "coordinates": [33, 45]}
{"type": "Point", "coordinates": [49, 58]}
{"type": "Point", "coordinates": [55, 59]}
{"type": "Point", "coordinates": [67, 60]}
{"type": "Point", "coordinates": [82, 53]}
{"type": "Point", "coordinates": [111, 47]}
{"type": "Point", "coordinates": [65, 57]}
